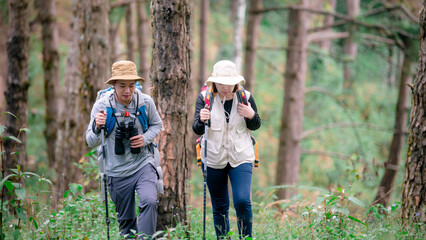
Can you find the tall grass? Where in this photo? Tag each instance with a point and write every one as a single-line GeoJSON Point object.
{"type": "Point", "coordinates": [330, 216]}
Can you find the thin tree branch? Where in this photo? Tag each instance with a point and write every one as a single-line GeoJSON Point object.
{"type": "Point", "coordinates": [296, 7]}
{"type": "Point", "coordinates": [328, 26]}
{"type": "Point", "coordinates": [391, 8]}
{"type": "Point", "coordinates": [407, 13]}
{"type": "Point", "coordinates": [386, 194]}
{"type": "Point", "coordinates": [389, 31]}
{"type": "Point", "coordinates": [270, 64]}
{"type": "Point", "coordinates": [327, 153]}
{"type": "Point", "coordinates": [310, 50]}
{"type": "Point", "coordinates": [379, 39]}
{"type": "Point", "coordinates": [326, 35]}
{"type": "Point", "coordinates": [328, 93]}
{"type": "Point", "coordinates": [340, 125]}
{"type": "Point", "coordinates": [123, 3]}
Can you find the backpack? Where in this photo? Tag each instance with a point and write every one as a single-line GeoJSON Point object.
{"type": "Point", "coordinates": [112, 114]}
{"type": "Point", "coordinates": [208, 99]}
{"type": "Point", "coordinates": [141, 115]}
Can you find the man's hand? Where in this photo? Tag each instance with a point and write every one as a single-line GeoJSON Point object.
{"type": "Point", "coordinates": [137, 141]}
{"type": "Point", "coordinates": [100, 119]}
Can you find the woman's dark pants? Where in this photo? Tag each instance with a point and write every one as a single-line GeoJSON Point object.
{"type": "Point", "coordinates": [217, 182]}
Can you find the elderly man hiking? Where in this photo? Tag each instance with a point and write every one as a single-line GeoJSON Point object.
{"type": "Point", "coordinates": [131, 123]}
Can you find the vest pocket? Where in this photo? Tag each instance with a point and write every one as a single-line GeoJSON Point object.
{"type": "Point", "coordinates": [243, 144]}
{"type": "Point", "coordinates": [214, 139]}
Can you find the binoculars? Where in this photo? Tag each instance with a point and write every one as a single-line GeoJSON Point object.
{"type": "Point", "coordinates": [125, 132]}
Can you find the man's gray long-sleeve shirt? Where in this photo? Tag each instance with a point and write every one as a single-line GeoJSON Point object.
{"type": "Point", "coordinates": [127, 164]}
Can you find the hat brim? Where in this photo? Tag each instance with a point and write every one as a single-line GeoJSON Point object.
{"type": "Point", "coordinates": [226, 80]}
{"type": "Point", "coordinates": [124, 77]}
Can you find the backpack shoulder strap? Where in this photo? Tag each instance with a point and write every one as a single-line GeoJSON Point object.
{"type": "Point", "coordinates": [104, 92]}
{"type": "Point", "coordinates": [111, 117]}
{"type": "Point", "coordinates": [141, 112]}
{"type": "Point", "coordinates": [110, 120]}
{"type": "Point", "coordinates": [208, 97]}
{"type": "Point", "coordinates": [242, 95]}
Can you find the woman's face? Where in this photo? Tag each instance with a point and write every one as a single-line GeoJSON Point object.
{"type": "Point", "coordinates": [225, 90]}
{"type": "Point", "coordinates": [124, 90]}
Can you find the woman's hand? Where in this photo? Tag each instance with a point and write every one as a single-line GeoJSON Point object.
{"type": "Point", "coordinates": [100, 119]}
{"type": "Point", "coordinates": [245, 110]}
{"type": "Point", "coordinates": [204, 114]}
{"type": "Point", "coordinates": [137, 141]}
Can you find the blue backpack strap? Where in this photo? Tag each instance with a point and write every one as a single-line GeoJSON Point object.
{"type": "Point", "coordinates": [143, 118]}
{"type": "Point", "coordinates": [138, 86]}
{"type": "Point", "coordinates": [102, 92]}
{"type": "Point", "coordinates": [110, 121]}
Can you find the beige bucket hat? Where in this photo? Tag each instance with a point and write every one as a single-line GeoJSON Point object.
{"type": "Point", "coordinates": [124, 70]}
{"type": "Point", "coordinates": [225, 72]}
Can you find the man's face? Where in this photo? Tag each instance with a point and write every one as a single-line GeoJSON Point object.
{"type": "Point", "coordinates": [124, 90]}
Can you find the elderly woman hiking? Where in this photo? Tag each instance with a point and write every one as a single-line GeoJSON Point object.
{"type": "Point", "coordinates": [131, 123]}
{"type": "Point", "coordinates": [230, 151]}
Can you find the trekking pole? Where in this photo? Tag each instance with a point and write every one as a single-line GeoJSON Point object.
{"type": "Point", "coordinates": [205, 175]}
{"type": "Point", "coordinates": [105, 178]}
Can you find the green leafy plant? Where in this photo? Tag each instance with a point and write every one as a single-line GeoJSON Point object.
{"type": "Point", "coordinates": [14, 187]}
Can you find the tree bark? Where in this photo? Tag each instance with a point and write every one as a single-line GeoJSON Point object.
{"type": "Point", "coordinates": [17, 81]}
{"type": "Point", "coordinates": [170, 74]}
{"type": "Point", "coordinates": [86, 73]}
{"type": "Point", "coordinates": [414, 187]}
{"type": "Point", "coordinates": [253, 23]}
{"type": "Point", "coordinates": [328, 20]}
{"type": "Point", "coordinates": [292, 112]}
{"type": "Point", "coordinates": [400, 129]}
{"type": "Point", "coordinates": [3, 62]}
{"type": "Point", "coordinates": [130, 31]}
{"type": "Point", "coordinates": [204, 16]}
{"type": "Point", "coordinates": [47, 14]}
{"type": "Point", "coordinates": [238, 33]}
{"type": "Point", "coordinates": [114, 40]}
{"type": "Point", "coordinates": [351, 47]}
{"type": "Point", "coordinates": [143, 33]}
{"type": "Point", "coordinates": [71, 81]}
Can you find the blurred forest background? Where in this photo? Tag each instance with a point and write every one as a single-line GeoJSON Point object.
{"type": "Point", "coordinates": [343, 67]}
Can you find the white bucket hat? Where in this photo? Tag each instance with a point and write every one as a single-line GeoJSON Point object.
{"type": "Point", "coordinates": [225, 72]}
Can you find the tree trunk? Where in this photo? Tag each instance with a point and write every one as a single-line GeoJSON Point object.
{"type": "Point", "coordinates": [353, 7]}
{"type": "Point", "coordinates": [238, 33]}
{"type": "Point", "coordinates": [114, 40]}
{"type": "Point", "coordinates": [400, 129]}
{"type": "Point", "coordinates": [3, 62]}
{"type": "Point", "coordinates": [17, 81]}
{"type": "Point", "coordinates": [47, 13]}
{"type": "Point", "coordinates": [292, 113]}
{"type": "Point", "coordinates": [414, 187]}
{"type": "Point", "coordinates": [130, 31]}
{"type": "Point", "coordinates": [71, 81]}
{"type": "Point", "coordinates": [393, 62]}
{"type": "Point", "coordinates": [143, 33]}
{"type": "Point", "coordinates": [170, 74]}
{"type": "Point", "coordinates": [328, 20]}
{"type": "Point", "coordinates": [253, 23]}
{"type": "Point", "coordinates": [86, 72]}
{"type": "Point", "coordinates": [204, 16]}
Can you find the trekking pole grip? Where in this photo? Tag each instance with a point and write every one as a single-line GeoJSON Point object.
{"type": "Point", "coordinates": [207, 122]}
{"type": "Point", "coordinates": [102, 126]}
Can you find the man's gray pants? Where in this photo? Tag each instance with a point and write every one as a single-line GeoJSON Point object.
{"type": "Point", "coordinates": [122, 191]}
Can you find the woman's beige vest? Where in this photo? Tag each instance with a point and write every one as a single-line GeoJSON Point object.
{"type": "Point", "coordinates": [227, 142]}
